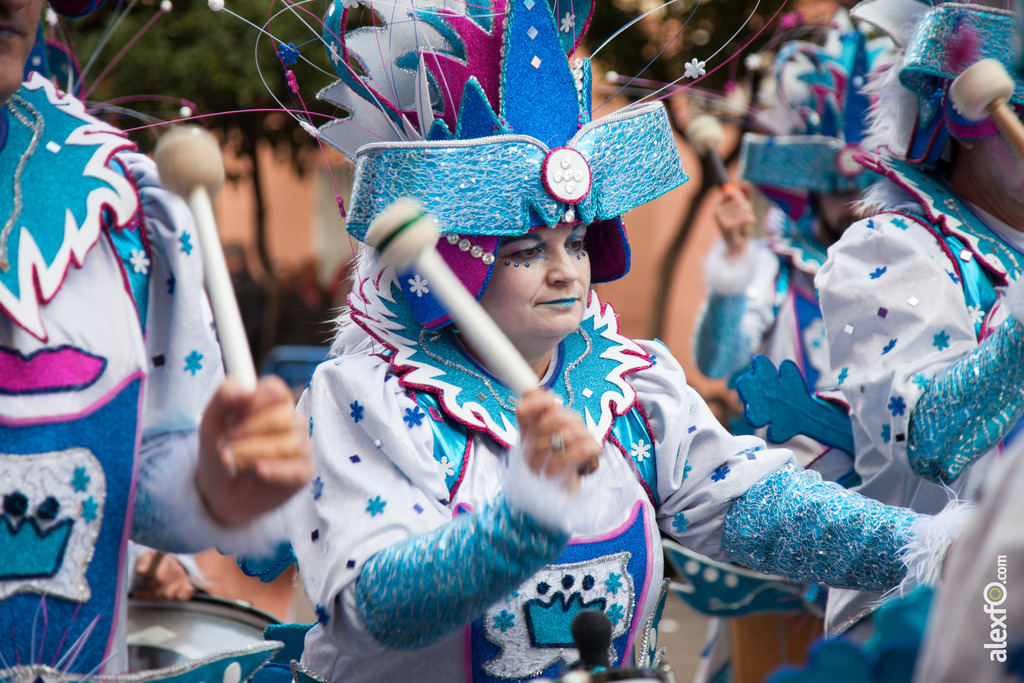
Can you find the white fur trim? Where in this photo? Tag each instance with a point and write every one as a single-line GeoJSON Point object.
{"type": "Point", "coordinates": [932, 535]}
{"type": "Point", "coordinates": [1013, 297]}
{"type": "Point", "coordinates": [545, 499]}
{"type": "Point", "coordinates": [729, 275]}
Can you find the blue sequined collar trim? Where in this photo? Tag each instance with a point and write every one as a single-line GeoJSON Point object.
{"type": "Point", "coordinates": [955, 217]}
{"type": "Point", "coordinates": [60, 188]}
{"type": "Point", "coordinates": [593, 382]}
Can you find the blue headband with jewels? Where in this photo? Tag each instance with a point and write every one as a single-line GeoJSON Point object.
{"type": "Point", "coordinates": [812, 163]}
{"type": "Point", "coordinates": [500, 185]}
{"type": "Point", "coordinates": [819, 88]}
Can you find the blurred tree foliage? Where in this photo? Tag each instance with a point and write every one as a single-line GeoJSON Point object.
{"type": "Point", "coordinates": [212, 61]}
{"type": "Point", "coordinates": [205, 57]}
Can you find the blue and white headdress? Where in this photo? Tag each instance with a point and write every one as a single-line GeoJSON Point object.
{"type": "Point", "coordinates": [938, 41]}
{"type": "Point", "coordinates": [820, 115]}
{"type": "Point", "coordinates": [475, 110]}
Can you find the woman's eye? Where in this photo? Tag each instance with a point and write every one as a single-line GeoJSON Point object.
{"type": "Point", "coordinates": [575, 245]}
{"type": "Point", "coordinates": [525, 254]}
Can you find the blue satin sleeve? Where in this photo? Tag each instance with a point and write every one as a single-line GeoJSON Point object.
{"type": "Point", "coordinates": [722, 347]}
{"type": "Point", "coordinates": [969, 406]}
{"type": "Point", "coordinates": [793, 524]}
{"type": "Point", "coordinates": [415, 592]}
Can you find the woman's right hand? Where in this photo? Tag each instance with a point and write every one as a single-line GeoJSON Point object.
{"type": "Point", "coordinates": [734, 214]}
{"type": "Point", "coordinates": [555, 441]}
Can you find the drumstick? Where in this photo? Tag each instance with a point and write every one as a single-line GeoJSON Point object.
{"type": "Point", "coordinates": [190, 164]}
{"type": "Point", "coordinates": [406, 237]}
{"type": "Point", "coordinates": [705, 134]}
{"type": "Point", "coordinates": [983, 90]}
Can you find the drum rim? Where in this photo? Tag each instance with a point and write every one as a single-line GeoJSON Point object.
{"type": "Point", "coordinates": [209, 605]}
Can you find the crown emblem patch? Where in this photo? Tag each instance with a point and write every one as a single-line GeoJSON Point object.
{"type": "Point", "coordinates": [533, 625]}
{"type": "Point", "coordinates": [52, 510]}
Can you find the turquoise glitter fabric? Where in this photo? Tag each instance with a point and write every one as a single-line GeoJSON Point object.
{"type": "Point", "coordinates": [489, 186]}
{"type": "Point", "coordinates": [969, 406]}
{"type": "Point", "coordinates": [722, 347]}
{"type": "Point", "coordinates": [413, 593]}
{"type": "Point", "coordinates": [793, 524]}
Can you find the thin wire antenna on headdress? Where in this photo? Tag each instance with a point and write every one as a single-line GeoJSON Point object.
{"type": "Point", "coordinates": [164, 8]}
{"type": "Point", "coordinates": [701, 73]}
{"type": "Point", "coordinates": [116, 19]}
{"type": "Point", "coordinates": [653, 59]}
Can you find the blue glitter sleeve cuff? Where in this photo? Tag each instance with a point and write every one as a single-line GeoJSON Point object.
{"type": "Point", "coordinates": [969, 406]}
{"type": "Point", "coordinates": [722, 347]}
{"type": "Point", "coordinates": [793, 524]}
{"type": "Point", "coordinates": [413, 593]}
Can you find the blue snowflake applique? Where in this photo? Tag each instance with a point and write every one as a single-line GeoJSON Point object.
{"type": "Point", "coordinates": [192, 362]}
{"type": "Point", "coordinates": [680, 523]}
{"type": "Point", "coordinates": [897, 405]}
{"type": "Point", "coordinates": [843, 374]}
{"type": "Point", "coordinates": [318, 488]}
{"type": "Point", "coordinates": [940, 340]}
{"type": "Point", "coordinates": [186, 243]}
{"type": "Point", "coordinates": [889, 346]}
{"type": "Point", "coordinates": [81, 480]}
{"type": "Point", "coordinates": [886, 433]}
{"type": "Point", "coordinates": [170, 284]}
{"type": "Point", "coordinates": [321, 614]}
{"type": "Point", "coordinates": [375, 506]}
{"type": "Point", "coordinates": [921, 381]}
{"type": "Point", "coordinates": [414, 416]}
{"type": "Point", "coordinates": [878, 272]}
{"type": "Point", "coordinates": [686, 470]}
{"type": "Point", "coordinates": [357, 411]}
{"type": "Point", "coordinates": [287, 53]}
{"type": "Point", "coordinates": [89, 507]}
{"type": "Point", "coordinates": [613, 583]}
{"type": "Point", "coordinates": [505, 620]}
{"type": "Point", "coordinates": [900, 223]}
{"type": "Point", "coordinates": [311, 425]}
{"type": "Point", "coordinates": [615, 614]}
{"type": "Point", "coordinates": [719, 473]}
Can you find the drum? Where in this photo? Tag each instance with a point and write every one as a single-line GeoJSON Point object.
{"type": "Point", "coordinates": [164, 634]}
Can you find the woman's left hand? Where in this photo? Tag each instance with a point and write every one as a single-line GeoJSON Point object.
{"type": "Point", "coordinates": [555, 441]}
{"type": "Point", "coordinates": [253, 454]}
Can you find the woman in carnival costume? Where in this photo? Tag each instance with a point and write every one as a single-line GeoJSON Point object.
{"type": "Point", "coordinates": [434, 542]}
{"type": "Point", "coordinates": [108, 360]}
{"type": "Point", "coordinates": [919, 301]}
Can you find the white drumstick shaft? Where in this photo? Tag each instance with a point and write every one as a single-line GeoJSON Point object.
{"type": "Point", "coordinates": [479, 329]}
{"type": "Point", "coordinates": [233, 343]}
{"type": "Point", "coordinates": [1009, 125]}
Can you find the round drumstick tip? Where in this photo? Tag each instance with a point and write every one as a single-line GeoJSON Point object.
{"type": "Point", "coordinates": [705, 133]}
{"type": "Point", "coordinates": [188, 157]}
{"type": "Point", "coordinates": [402, 232]}
{"type": "Point", "coordinates": [981, 84]}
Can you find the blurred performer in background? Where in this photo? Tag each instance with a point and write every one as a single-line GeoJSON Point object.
{"type": "Point", "coordinates": [108, 360]}
{"type": "Point", "coordinates": [453, 529]}
{"type": "Point", "coordinates": [761, 297]}
{"type": "Point", "coordinates": [761, 292]}
{"type": "Point", "coordinates": [921, 301]}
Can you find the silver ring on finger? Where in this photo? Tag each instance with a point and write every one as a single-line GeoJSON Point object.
{"type": "Point", "coordinates": [557, 442]}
